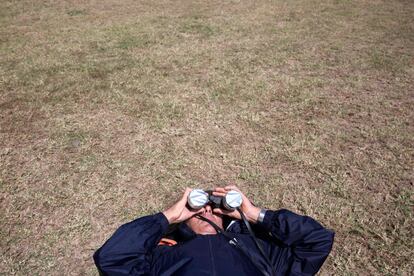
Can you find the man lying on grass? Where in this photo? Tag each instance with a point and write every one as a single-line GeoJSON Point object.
{"type": "Point", "coordinates": [219, 232]}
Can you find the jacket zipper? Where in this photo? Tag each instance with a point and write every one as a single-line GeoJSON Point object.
{"type": "Point", "coordinates": [213, 266]}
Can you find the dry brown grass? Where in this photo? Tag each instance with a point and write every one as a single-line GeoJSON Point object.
{"type": "Point", "coordinates": [109, 107]}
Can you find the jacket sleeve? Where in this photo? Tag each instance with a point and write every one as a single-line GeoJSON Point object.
{"type": "Point", "coordinates": [129, 250]}
{"type": "Point", "coordinates": [309, 241]}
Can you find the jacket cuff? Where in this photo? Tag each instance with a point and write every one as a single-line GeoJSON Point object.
{"type": "Point", "coordinates": [268, 218]}
{"type": "Point", "coordinates": [163, 221]}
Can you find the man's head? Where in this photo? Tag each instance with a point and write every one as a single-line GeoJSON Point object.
{"type": "Point", "coordinates": [202, 227]}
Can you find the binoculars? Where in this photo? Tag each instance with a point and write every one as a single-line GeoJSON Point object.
{"type": "Point", "coordinates": [198, 198]}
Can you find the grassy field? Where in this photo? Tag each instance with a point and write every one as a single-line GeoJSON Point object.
{"type": "Point", "coordinates": [108, 109]}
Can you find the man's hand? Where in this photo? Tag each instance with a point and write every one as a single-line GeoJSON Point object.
{"type": "Point", "coordinates": [179, 211]}
{"type": "Point", "coordinates": [249, 210]}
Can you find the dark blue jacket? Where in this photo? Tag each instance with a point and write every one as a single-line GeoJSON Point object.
{"type": "Point", "coordinates": [296, 245]}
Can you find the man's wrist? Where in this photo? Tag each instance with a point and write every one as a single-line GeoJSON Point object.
{"type": "Point", "coordinates": [168, 216]}
{"type": "Point", "coordinates": [253, 214]}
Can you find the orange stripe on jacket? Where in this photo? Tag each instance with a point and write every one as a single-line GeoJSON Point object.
{"type": "Point", "coordinates": [167, 242]}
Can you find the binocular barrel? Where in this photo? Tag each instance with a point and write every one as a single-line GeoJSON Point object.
{"type": "Point", "coordinates": [198, 198]}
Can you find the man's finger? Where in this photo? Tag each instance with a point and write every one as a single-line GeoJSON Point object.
{"type": "Point", "coordinates": [186, 193]}
{"type": "Point", "coordinates": [232, 187]}
{"type": "Point", "coordinates": [219, 193]}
